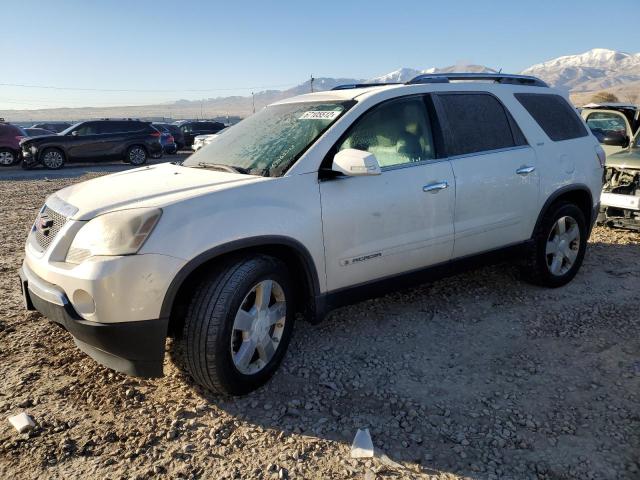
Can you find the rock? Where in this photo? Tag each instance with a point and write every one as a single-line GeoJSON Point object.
{"type": "Point", "coordinates": [22, 422]}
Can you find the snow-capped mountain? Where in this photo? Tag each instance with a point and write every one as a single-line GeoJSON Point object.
{"type": "Point", "coordinates": [405, 74]}
{"type": "Point", "coordinates": [597, 69]}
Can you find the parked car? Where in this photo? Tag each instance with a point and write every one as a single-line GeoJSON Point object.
{"type": "Point", "coordinates": [613, 124]}
{"type": "Point", "coordinates": [130, 140]}
{"type": "Point", "coordinates": [55, 127]}
{"type": "Point", "coordinates": [37, 132]}
{"type": "Point", "coordinates": [166, 140]}
{"type": "Point", "coordinates": [178, 136]}
{"type": "Point", "coordinates": [202, 140]}
{"type": "Point", "coordinates": [10, 136]}
{"type": "Point", "coordinates": [191, 130]}
{"type": "Point", "coordinates": [313, 202]}
{"type": "Point", "coordinates": [621, 191]}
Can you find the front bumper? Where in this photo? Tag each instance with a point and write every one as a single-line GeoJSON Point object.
{"type": "Point", "coordinates": [135, 348]}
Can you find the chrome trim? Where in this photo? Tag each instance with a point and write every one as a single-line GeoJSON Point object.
{"type": "Point", "coordinates": [43, 289]}
{"type": "Point", "coordinates": [435, 187]}
{"type": "Point", "coordinates": [525, 170]}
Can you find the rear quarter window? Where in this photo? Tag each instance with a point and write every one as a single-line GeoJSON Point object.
{"type": "Point", "coordinates": [554, 114]}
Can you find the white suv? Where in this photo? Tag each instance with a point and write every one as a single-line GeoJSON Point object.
{"type": "Point", "coordinates": [314, 201]}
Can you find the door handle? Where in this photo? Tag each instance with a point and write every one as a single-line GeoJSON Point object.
{"type": "Point", "coordinates": [525, 170]}
{"type": "Point", "coordinates": [435, 187]}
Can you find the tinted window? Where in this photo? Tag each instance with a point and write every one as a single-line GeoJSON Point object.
{"type": "Point", "coordinates": [88, 128]}
{"type": "Point", "coordinates": [109, 127]}
{"type": "Point", "coordinates": [477, 122]}
{"type": "Point", "coordinates": [555, 116]}
{"type": "Point", "coordinates": [396, 132]}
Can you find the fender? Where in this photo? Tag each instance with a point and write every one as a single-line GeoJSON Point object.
{"type": "Point", "coordinates": [259, 241]}
{"type": "Point", "coordinates": [576, 187]}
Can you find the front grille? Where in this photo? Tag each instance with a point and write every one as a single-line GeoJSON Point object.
{"type": "Point", "coordinates": [48, 224]}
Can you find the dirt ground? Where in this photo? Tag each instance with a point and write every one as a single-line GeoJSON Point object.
{"type": "Point", "coordinates": [477, 376]}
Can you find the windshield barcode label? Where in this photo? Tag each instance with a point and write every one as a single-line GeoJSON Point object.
{"type": "Point", "coordinates": [319, 115]}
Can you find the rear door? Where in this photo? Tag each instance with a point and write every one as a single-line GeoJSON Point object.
{"type": "Point", "coordinates": [495, 170]}
{"type": "Point", "coordinates": [401, 220]}
{"type": "Point", "coordinates": [611, 128]}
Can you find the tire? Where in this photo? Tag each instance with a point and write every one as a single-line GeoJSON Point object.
{"type": "Point", "coordinates": [136, 155]}
{"type": "Point", "coordinates": [52, 158]}
{"type": "Point", "coordinates": [556, 257]}
{"type": "Point", "coordinates": [217, 353]}
{"type": "Point", "coordinates": [8, 157]}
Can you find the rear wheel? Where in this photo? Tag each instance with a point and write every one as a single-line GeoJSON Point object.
{"type": "Point", "coordinates": [7, 157]}
{"type": "Point", "coordinates": [136, 155]}
{"type": "Point", "coordinates": [239, 324]}
{"type": "Point", "coordinates": [560, 245]}
{"type": "Point", "coordinates": [52, 158]}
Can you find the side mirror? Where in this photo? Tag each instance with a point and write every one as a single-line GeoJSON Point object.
{"type": "Point", "coordinates": [74, 133]}
{"type": "Point", "coordinates": [354, 163]}
{"type": "Point", "coordinates": [615, 140]}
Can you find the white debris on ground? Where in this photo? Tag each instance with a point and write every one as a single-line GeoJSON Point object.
{"type": "Point", "coordinates": [362, 446]}
{"type": "Point", "coordinates": [22, 422]}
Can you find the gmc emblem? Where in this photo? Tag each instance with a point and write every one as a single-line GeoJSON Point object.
{"type": "Point", "coordinates": [44, 224]}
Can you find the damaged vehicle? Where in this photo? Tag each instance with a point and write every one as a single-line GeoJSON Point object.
{"type": "Point", "coordinates": [613, 124]}
{"type": "Point", "coordinates": [620, 198]}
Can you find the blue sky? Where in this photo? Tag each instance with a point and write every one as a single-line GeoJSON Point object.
{"type": "Point", "coordinates": [162, 50]}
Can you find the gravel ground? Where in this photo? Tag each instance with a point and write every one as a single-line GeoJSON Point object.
{"type": "Point", "coordinates": [476, 376]}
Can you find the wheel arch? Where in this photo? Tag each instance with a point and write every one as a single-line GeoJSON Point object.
{"type": "Point", "coordinates": [579, 194]}
{"type": "Point", "coordinates": [290, 251]}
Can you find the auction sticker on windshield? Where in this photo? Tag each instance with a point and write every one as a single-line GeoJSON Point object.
{"type": "Point", "coordinates": [320, 115]}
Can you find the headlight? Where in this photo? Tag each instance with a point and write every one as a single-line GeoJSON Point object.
{"type": "Point", "coordinates": [33, 149]}
{"type": "Point", "coordinates": [115, 233]}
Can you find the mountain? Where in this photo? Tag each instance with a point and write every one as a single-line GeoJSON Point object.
{"type": "Point", "coordinates": [597, 69]}
{"type": "Point", "coordinates": [582, 74]}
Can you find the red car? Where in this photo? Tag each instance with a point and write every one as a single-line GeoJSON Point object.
{"type": "Point", "coordinates": [10, 136]}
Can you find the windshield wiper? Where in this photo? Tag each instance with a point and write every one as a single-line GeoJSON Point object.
{"type": "Point", "coordinates": [224, 168]}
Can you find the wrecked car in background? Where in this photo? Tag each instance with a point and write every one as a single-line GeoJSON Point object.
{"type": "Point", "coordinates": [613, 124]}
{"type": "Point", "coordinates": [620, 200]}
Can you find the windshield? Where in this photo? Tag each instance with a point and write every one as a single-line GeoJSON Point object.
{"type": "Point", "coordinates": [270, 141]}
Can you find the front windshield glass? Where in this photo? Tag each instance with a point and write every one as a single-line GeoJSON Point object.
{"type": "Point", "coordinates": [270, 141]}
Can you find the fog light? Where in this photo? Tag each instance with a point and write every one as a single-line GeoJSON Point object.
{"type": "Point", "coordinates": [84, 303]}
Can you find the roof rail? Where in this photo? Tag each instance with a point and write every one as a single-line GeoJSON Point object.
{"type": "Point", "coordinates": [349, 86]}
{"type": "Point", "coordinates": [496, 77]}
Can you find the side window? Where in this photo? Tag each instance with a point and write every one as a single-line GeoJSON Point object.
{"type": "Point", "coordinates": [477, 123]}
{"type": "Point", "coordinates": [396, 132]}
{"type": "Point", "coordinates": [556, 117]}
{"type": "Point", "coordinates": [109, 127]}
{"type": "Point", "coordinates": [89, 128]}
{"type": "Point", "coordinates": [606, 124]}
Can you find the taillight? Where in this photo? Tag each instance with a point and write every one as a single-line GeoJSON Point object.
{"type": "Point", "coordinates": [171, 139]}
{"type": "Point", "coordinates": [19, 137]}
{"type": "Point", "coordinates": [602, 157]}
{"type": "Point", "coordinates": [156, 134]}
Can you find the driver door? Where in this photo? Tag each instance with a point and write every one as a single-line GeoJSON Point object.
{"type": "Point", "coordinates": [401, 220]}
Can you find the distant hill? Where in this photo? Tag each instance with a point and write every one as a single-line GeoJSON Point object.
{"type": "Point", "coordinates": [582, 75]}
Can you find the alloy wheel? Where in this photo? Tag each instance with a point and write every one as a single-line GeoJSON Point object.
{"type": "Point", "coordinates": [258, 327]}
{"type": "Point", "coordinates": [53, 159]}
{"type": "Point", "coordinates": [563, 245]}
{"type": "Point", "coordinates": [137, 156]}
{"type": "Point", "coordinates": [7, 158]}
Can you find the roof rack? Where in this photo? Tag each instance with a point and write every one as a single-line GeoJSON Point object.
{"type": "Point", "coordinates": [349, 86]}
{"type": "Point", "coordinates": [496, 77]}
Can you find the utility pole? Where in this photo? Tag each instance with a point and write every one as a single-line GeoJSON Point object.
{"type": "Point", "coordinates": [311, 82]}
{"type": "Point", "coordinates": [253, 101]}
{"type": "Point", "coordinates": [201, 115]}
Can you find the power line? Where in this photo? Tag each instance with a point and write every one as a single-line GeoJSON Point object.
{"type": "Point", "coordinates": [52, 87]}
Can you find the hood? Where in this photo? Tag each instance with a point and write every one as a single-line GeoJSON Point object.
{"type": "Point", "coordinates": [152, 186]}
{"type": "Point", "coordinates": [39, 139]}
{"type": "Point", "coordinates": [626, 159]}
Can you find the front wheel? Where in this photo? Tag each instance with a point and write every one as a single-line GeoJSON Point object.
{"type": "Point", "coordinates": [560, 245]}
{"type": "Point", "coordinates": [137, 155]}
{"type": "Point", "coordinates": [239, 324]}
{"type": "Point", "coordinates": [52, 158]}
